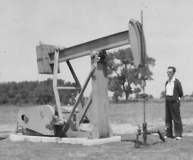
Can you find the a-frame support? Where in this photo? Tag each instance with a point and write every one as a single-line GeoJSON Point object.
{"type": "Point", "coordinates": [98, 97]}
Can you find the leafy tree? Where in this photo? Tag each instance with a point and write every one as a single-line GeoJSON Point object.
{"type": "Point", "coordinates": [33, 92]}
{"type": "Point", "coordinates": [136, 91]}
{"type": "Point", "coordinates": [150, 97]}
{"type": "Point", "coordinates": [122, 74]}
{"type": "Point", "coordinates": [43, 94]}
{"type": "Point", "coordinates": [163, 94]}
{"type": "Point", "coordinates": [191, 95]}
{"type": "Point", "coordinates": [67, 97]}
{"type": "Point", "coordinates": [116, 96]}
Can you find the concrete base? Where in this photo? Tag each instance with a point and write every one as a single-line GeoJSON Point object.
{"type": "Point", "coordinates": [83, 141]}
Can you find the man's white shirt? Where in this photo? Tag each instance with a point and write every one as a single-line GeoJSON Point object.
{"type": "Point", "coordinates": [170, 87]}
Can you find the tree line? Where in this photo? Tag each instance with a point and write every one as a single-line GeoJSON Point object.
{"type": "Point", "coordinates": [34, 92]}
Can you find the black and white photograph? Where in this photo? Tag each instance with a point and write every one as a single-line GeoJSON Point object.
{"type": "Point", "coordinates": [96, 79]}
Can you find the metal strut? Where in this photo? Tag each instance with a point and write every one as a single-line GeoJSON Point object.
{"type": "Point", "coordinates": [65, 124]}
{"type": "Point", "coordinates": [55, 87]}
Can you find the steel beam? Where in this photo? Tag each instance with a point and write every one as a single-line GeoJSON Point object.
{"type": "Point", "coordinates": [104, 43]}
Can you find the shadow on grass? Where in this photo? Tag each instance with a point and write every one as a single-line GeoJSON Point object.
{"type": "Point", "coordinates": [4, 136]}
{"type": "Point", "coordinates": [139, 143]}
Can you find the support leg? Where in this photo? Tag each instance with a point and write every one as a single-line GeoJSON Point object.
{"type": "Point", "coordinates": [100, 103]}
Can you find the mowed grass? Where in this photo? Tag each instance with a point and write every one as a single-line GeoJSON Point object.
{"type": "Point", "coordinates": [8, 115]}
{"type": "Point", "coordinates": [131, 113]}
{"type": "Point", "coordinates": [124, 150]}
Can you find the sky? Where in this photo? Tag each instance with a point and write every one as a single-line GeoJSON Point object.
{"type": "Point", "coordinates": [167, 27]}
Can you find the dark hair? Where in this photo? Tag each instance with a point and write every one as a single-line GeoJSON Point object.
{"type": "Point", "coordinates": [173, 68]}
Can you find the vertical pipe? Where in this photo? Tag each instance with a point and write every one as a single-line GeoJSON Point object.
{"type": "Point", "coordinates": [144, 81]}
{"type": "Point", "coordinates": [142, 52]}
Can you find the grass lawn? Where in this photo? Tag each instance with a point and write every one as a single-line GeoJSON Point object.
{"type": "Point", "coordinates": [120, 114]}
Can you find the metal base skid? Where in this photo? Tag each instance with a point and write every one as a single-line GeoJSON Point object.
{"type": "Point", "coordinates": [82, 141]}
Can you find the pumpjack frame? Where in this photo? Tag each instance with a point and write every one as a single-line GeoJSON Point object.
{"type": "Point", "coordinates": [48, 59]}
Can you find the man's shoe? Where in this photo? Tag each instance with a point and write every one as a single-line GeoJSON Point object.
{"type": "Point", "coordinates": [166, 137]}
{"type": "Point", "coordinates": [178, 138]}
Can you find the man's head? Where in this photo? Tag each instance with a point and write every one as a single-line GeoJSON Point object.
{"type": "Point", "coordinates": [171, 71]}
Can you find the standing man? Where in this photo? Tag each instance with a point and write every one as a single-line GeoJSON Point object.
{"type": "Point", "coordinates": [174, 92]}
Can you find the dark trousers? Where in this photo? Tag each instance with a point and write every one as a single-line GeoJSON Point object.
{"type": "Point", "coordinates": [173, 113]}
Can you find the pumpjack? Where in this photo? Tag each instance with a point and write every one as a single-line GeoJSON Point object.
{"type": "Point", "coordinates": [61, 121]}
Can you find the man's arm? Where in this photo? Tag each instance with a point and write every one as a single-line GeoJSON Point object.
{"type": "Point", "coordinates": [179, 89]}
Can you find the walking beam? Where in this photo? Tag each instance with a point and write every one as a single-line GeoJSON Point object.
{"type": "Point", "coordinates": [105, 43]}
{"type": "Point", "coordinates": [45, 53]}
